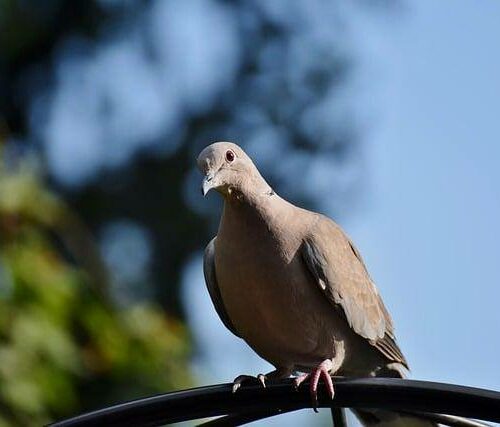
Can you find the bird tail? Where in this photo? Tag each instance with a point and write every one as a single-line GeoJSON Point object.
{"type": "Point", "coordinates": [382, 418]}
{"type": "Point", "coordinates": [377, 418]}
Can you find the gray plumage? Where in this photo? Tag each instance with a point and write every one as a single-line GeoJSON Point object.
{"type": "Point", "coordinates": [213, 287]}
{"type": "Point", "coordinates": [289, 281]}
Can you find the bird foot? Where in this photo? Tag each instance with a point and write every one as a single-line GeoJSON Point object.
{"type": "Point", "coordinates": [321, 371]}
{"type": "Point", "coordinates": [240, 379]}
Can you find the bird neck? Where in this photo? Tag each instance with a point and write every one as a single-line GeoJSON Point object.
{"type": "Point", "coordinates": [257, 208]}
{"type": "Point", "coordinates": [253, 191]}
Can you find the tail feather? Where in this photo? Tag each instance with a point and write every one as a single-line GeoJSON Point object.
{"type": "Point", "coordinates": [392, 419]}
{"type": "Point", "coordinates": [381, 418]}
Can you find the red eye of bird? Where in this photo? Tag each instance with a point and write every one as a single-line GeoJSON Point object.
{"type": "Point", "coordinates": [229, 156]}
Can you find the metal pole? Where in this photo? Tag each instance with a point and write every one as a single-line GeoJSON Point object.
{"type": "Point", "coordinates": [338, 417]}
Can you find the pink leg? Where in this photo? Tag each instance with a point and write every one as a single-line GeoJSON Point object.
{"type": "Point", "coordinates": [321, 371]}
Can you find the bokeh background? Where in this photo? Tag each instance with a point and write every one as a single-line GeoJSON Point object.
{"type": "Point", "coordinates": [382, 114]}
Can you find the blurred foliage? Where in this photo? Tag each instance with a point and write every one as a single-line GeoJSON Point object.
{"type": "Point", "coordinates": [63, 346]}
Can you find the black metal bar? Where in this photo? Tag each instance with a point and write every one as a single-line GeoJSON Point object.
{"type": "Point", "coordinates": [338, 417]}
{"type": "Point", "coordinates": [448, 420]}
{"type": "Point", "coordinates": [381, 393]}
{"type": "Point", "coordinates": [235, 420]}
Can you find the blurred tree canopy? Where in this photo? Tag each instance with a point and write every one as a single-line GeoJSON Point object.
{"type": "Point", "coordinates": [63, 346]}
{"type": "Point", "coordinates": [104, 106]}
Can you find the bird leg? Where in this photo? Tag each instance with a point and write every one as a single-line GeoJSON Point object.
{"type": "Point", "coordinates": [321, 371]}
{"type": "Point", "coordinates": [261, 378]}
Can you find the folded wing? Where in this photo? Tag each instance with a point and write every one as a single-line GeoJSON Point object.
{"type": "Point", "coordinates": [213, 287]}
{"type": "Point", "coordinates": [339, 271]}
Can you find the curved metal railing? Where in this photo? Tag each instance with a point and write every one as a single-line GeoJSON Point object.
{"type": "Point", "coordinates": [251, 403]}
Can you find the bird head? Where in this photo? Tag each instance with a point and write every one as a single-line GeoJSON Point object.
{"type": "Point", "coordinates": [226, 167]}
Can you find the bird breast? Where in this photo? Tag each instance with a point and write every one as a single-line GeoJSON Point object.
{"type": "Point", "coordinates": [268, 293]}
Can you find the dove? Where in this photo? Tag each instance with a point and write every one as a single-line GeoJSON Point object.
{"type": "Point", "coordinates": [291, 283]}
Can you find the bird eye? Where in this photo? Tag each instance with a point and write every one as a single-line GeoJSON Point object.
{"type": "Point", "coordinates": [229, 156]}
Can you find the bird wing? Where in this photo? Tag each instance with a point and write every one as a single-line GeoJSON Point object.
{"type": "Point", "coordinates": [341, 274]}
{"type": "Point", "coordinates": [213, 287]}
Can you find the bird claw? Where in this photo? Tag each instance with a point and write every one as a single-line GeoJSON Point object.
{"type": "Point", "coordinates": [297, 381]}
{"type": "Point", "coordinates": [262, 379]}
{"type": "Point", "coordinates": [321, 371]}
{"type": "Point", "coordinates": [240, 379]}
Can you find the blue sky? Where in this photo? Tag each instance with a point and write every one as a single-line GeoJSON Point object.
{"type": "Point", "coordinates": [431, 229]}
{"type": "Point", "coordinates": [429, 95]}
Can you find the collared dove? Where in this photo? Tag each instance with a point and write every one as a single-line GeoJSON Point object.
{"type": "Point", "coordinates": [291, 283]}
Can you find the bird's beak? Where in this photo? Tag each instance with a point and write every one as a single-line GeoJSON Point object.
{"type": "Point", "coordinates": [207, 184]}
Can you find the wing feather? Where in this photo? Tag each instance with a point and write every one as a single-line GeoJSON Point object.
{"type": "Point", "coordinates": [213, 287]}
{"type": "Point", "coordinates": [340, 272]}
